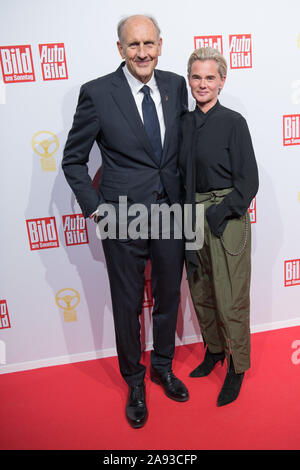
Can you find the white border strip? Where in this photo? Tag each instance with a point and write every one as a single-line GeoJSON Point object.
{"type": "Point", "coordinates": [92, 355]}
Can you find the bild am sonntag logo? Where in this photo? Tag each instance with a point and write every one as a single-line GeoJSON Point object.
{"type": "Point", "coordinates": [42, 233]}
{"type": "Point", "coordinates": [291, 129]}
{"type": "Point", "coordinates": [292, 272]}
{"type": "Point", "coordinates": [17, 64]}
{"type": "Point", "coordinates": [214, 41]}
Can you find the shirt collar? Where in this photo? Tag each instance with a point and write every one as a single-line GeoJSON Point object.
{"type": "Point", "coordinates": [136, 84]}
{"type": "Point", "coordinates": [215, 106]}
{"type": "Point", "coordinates": [201, 117]}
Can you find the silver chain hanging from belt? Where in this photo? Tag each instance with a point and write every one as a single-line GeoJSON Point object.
{"type": "Point", "coordinates": [242, 248]}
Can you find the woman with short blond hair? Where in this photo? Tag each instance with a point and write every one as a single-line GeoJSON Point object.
{"type": "Point", "coordinates": [220, 171]}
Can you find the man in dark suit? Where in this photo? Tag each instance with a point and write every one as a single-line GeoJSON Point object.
{"type": "Point", "coordinates": [137, 130]}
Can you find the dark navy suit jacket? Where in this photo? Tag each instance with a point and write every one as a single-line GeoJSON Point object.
{"type": "Point", "coordinates": [107, 113]}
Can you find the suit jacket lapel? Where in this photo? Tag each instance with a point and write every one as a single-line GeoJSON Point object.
{"type": "Point", "coordinates": [125, 101]}
{"type": "Point", "coordinates": [166, 97]}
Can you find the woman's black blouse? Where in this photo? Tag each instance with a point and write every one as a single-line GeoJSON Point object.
{"type": "Point", "coordinates": [217, 153]}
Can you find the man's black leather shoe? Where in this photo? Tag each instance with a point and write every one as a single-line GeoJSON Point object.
{"type": "Point", "coordinates": [173, 387]}
{"type": "Point", "coordinates": [136, 410]}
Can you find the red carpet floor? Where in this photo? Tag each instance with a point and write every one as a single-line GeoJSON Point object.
{"type": "Point", "coordinates": [81, 406]}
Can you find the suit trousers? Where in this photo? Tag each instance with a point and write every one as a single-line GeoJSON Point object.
{"type": "Point", "coordinates": [126, 261]}
{"type": "Point", "coordinates": [220, 286]}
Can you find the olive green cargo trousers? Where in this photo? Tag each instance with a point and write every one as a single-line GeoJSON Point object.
{"type": "Point", "coordinates": [220, 286]}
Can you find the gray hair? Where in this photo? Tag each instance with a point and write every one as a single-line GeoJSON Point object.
{"type": "Point", "coordinates": [209, 53]}
{"type": "Point", "coordinates": [122, 22]}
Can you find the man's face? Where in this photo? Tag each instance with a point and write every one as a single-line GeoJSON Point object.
{"type": "Point", "coordinates": [140, 47]}
{"type": "Point", "coordinates": [205, 82]}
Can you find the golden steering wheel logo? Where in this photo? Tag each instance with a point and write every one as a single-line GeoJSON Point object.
{"type": "Point", "coordinates": [45, 144]}
{"type": "Point", "coordinates": [298, 40]}
{"type": "Point", "coordinates": [67, 299]}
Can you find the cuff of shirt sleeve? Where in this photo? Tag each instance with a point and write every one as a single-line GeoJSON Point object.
{"type": "Point", "coordinates": [94, 215]}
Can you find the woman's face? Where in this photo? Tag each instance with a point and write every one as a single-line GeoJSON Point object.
{"type": "Point", "coordinates": [206, 83]}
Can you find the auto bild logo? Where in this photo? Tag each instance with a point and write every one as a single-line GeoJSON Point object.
{"type": "Point", "coordinates": [240, 51]}
{"type": "Point", "coordinates": [75, 229]}
{"type": "Point", "coordinates": [209, 41]}
{"type": "Point", "coordinates": [42, 233]}
{"type": "Point", "coordinates": [292, 272]}
{"type": "Point", "coordinates": [252, 211]}
{"type": "Point", "coordinates": [17, 64]}
{"type": "Point", "coordinates": [291, 129]}
{"type": "Point", "coordinates": [4, 317]}
{"type": "Point", "coordinates": [53, 61]}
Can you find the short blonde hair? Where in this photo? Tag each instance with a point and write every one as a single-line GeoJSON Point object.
{"type": "Point", "coordinates": [208, 53]}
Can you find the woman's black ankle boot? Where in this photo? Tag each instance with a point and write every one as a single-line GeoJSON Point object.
{"type": "Point", "coordinates": [210, 360]}
{"type": "Point", "coordinates": [231, 387]}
